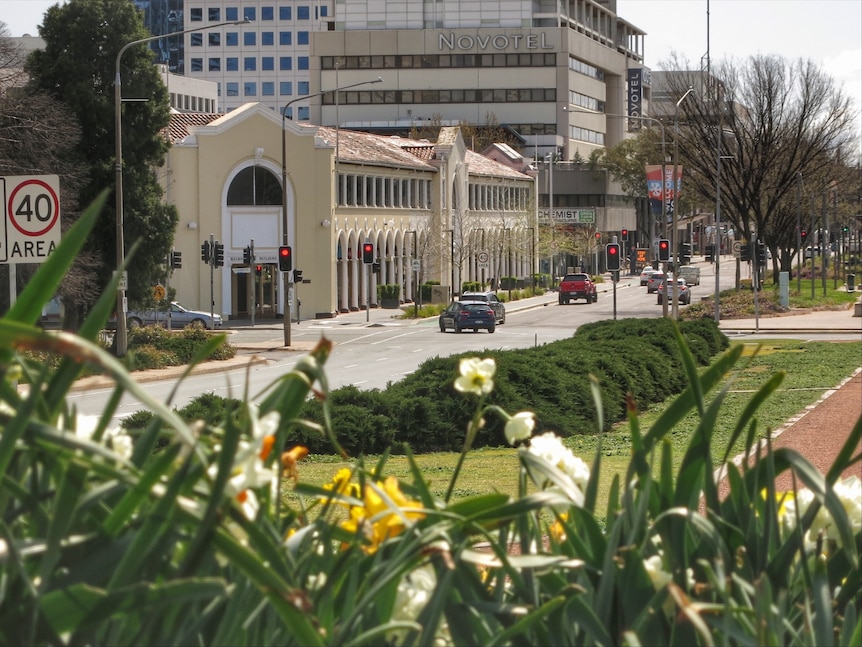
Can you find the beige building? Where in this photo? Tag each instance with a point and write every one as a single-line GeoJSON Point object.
{"type": "Point", "coordinates": [435, 212]}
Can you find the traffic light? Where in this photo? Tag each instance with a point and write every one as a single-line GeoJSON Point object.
{"type": "Point", "coordinates": [176, 260]}
{"type": "Point", "coordinates": [367, 252]}
{"type": "Point", "coordinates": [804, 235]}
{"type": "Point", "coordinates": [375, 267]}
{"type": "Point", "coordinates": [761, 254]}
{"type": "Point", "coordinates": [664, 249]}
{"type": "Point", "coordinates": [205, 252]}
{"type": "Point", "coordinates": [258, 269]}
{"type": "Point", "coordinates": [612, 254]}
{"type": "Point", "coordinates": [285, 259]}
{"type": "Point", "coordinates": [598, 235]}
{"type": "Point", "coordinates": [246, 256]}
{"type": "Point", "coordinates": [744, 253]}
{"type": "Point", "coordinates": [218, 254]}
{"type": "Point", "coordinates": [297, 276]}
{"type": "Point", "coordinates": [624, 234]}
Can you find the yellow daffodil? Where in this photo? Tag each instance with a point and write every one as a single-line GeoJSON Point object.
{"type": "Point", "coordinates": [385, 513]}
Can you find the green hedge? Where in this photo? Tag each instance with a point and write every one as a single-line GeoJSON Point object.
{"type": "Point", "coordinates": [629, 356]}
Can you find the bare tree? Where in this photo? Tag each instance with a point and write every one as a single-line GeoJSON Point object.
{"type": "Point", "coordinates": [772, 121]}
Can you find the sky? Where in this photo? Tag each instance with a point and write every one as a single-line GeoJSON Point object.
{"type": "Point", "coordinates": [828, 32]}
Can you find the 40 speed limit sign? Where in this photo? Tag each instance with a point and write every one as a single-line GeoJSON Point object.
{"type": "Point", "coordinates": [31, 224]}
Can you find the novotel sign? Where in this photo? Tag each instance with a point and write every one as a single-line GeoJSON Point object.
{"type": "Point", "coordinates": [452, 41]}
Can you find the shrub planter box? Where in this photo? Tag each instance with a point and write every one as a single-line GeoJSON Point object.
{"type": "Point", "coordinates": [389, 295]}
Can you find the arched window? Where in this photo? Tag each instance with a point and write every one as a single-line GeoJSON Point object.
{"type": "Point", "coordinates": [254, 186]}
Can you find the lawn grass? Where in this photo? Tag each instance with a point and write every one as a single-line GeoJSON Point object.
{"type": "Point", "coordinates": [810, 368]}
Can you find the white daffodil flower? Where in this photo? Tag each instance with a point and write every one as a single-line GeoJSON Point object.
{"type": "Point", "coordinates": [550, 447]}
{"type": "Point", "coordinates": [520, 426]}
{"type": "Point", "coordinates": [477, 376]}
{"type": "Point", "coordinates": [657, 575]}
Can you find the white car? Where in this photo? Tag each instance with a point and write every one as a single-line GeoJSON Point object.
{"type": "Point", "coordinates": [180, 317]}
{"type": "Point", "coordinates": [646, 273]}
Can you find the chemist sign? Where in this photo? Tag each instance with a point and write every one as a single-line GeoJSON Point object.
{"type": "Point", "coordinates": [31, 224]}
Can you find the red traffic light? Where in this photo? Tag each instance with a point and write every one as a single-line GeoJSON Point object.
{"type": "Point", "coordinates": [664, 250]}
{"type": "Point", "coordinates": [598, 235]}
{"type": "Point", "coordinates": [367, 252]}
{"type": "Point", "coordinates": [285, 259]}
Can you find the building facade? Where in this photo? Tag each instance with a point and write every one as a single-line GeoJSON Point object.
{"type": "Point", "coordinates": [435, 212]}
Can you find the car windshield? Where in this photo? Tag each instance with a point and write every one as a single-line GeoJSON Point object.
{"type": "Point", "coordinates": [474, 307]}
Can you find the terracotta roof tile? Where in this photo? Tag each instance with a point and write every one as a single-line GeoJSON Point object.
{"type": "Point", "coordinates": [178, 128]}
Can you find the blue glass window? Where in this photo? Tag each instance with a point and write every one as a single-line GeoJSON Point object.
{"type": "Point", "coordinates": [302, 38]}
{"type": "Point", "coordinates": [249, 13]}
{"type": "Point", "coordinates": [302, 88]}
{"type": "Point", "coordinates": [197, 40]}
{"type": "Point", "coordinates": [232, 89]}
{"type": "Point", "coordinates": [214, 14]}
{"type": "Point", "coordinates": [288, 112]}
{"type": "Point", "coordinates": [231, 64]}
{"type": "Point", "coordinates": [214, 39]}
{"type": "Point", "coordinates": [284, 13]}
{"type": "Point", "coordinates": [231, 13]}
{"type": "Point", "coordinates": [267, 13]}
{"type": "Point", "coordinates": [285, 38]}
{"type": "Point", "coordinates": [267, 63]}
{"type": "Point", "coordinates": [267, 38]}
{"type": "Point", "coordinates": [303, 12]}
{"type": "Point", "coordinates": [302, 113]}
{"type": "Point", "coordinates": [249, 38]}
{"type": "Point", "coordinates": [231, 39]}
{"type": "Point", "coordinates": [285, 88]}
{"type": "Point", "coordinates": [267, 88]}
{"type": "Point", "coordinates": [197, 65]}
{"type": "Point", "coordinates": [285, 63]}
{"type": "Point", "coordinates": [215, 64]}
{"type": "Point", "coordinates": [249, 63]}
{"type": "Point", "coordinates": [249, 89]}
{"type": "Point", "coordinates": [302, 63]}
{"type": "Point", "coordinates": [196, 15]}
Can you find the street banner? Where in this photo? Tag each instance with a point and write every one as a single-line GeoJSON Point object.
{"type": "Point", "coordinates": [654, 187]}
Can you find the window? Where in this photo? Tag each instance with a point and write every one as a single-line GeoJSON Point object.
{"type": "Point", "coordinates": [302, 62]}
{"type": "Point", "coordinates": [249, 13]}
{"type": "Point", "coordinates": [231, 64]}
{"type": "Point", "coordinates": [214, 39]}
{"type": "Point", "coordinates": [254, 186]}
{"type": "Point", "coordinates": [249, 89]}
{"type": "Point", "coordinates": [302, 88]}
{"type": "Point", "coordinates": [197, 40]}
{"type": "Point", "coordinates": [302, 38]}
{"type": "Point", "coordinates": [214, 64]}
{"type": "Point", "coordinates": [267, 38]}
{"type": "Point", "coordinates": [284, 13]}
{"type": "Point", "coordinates": [196, 15]}
{"type": "Point", "coordinates": [303, 114]}
{"type": "Point", "coordinates": [249, 38]}
{"type": "Point", "coordinates": [267, 13]}
{"type": "Point", "coordinates": [231, 39]}
{"type": "Point", "coordinates": [231, 13]}
{"type": "Point", "coordinates": [197, 65]}
{"type": "Point", "coordinates": [267, 63]}
{"type": "Point", "coordinates": [285, 63]}
{"type": "Point", "coordinates": [285, 38]}
{"type": "Point", "coordinates": [285, 88]}
{"type": "Point", "coordinates": [249, 63]}
{"type": "Point", "coordinates": [267, 88]}
{"type": "Point", "coordinates": [214, 14]}
{"type": "Point", "coordinates": [232, 89]}
{"type": "Point", "coordinates": [303, 13]}
{"type": "Point", "coordinates": [324, 11]}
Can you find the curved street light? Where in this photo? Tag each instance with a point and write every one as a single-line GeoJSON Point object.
{"type": "Point", "coordinates": [121, 336]}
{"type": "Point", "coordinates": [284, 224]}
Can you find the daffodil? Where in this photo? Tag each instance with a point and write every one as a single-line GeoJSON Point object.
{"type": "Point", "coordinates": [477, 376]}
{"type": "Point", "coordinates": [385, 512]}
{"type": "Point", "coordinates": [550, 447]}
{"type": "Point", "coordinates": [520, 426]}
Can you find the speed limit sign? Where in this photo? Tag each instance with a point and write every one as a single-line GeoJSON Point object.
{"type": "Point", "coordinates": [31, 205]}
{"type": "Point", "coordinates": [482, 259]}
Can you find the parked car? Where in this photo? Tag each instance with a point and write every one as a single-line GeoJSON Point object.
{"type": "Point", "coordinates": [646, 273]}
{"type": "Point", "coordinates": [654, 281]}
{"type": "Point", "coordinates": [683, 292]}
{"type": "Point", "coordinates": [491, 299]}
{"type": "Point", "coordinates": [468, 314]}
{"type": "Point", "coordinates": [180, 317]}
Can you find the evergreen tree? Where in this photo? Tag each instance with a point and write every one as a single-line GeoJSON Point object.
{"type": "Point", "coordinates": [77, 67]}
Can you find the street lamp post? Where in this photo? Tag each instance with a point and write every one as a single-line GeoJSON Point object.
{"type": "Point", "coordinates": [285, 280]}
{"type": "Point", "coordinates": [121, 334]}
{"type": "Point", "coordinates": [570, 108]}
{"type": "Point", "coordinates": [674, 245]}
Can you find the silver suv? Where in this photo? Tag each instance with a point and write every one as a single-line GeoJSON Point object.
{"type": "Point", "coordinates": [491, 299]}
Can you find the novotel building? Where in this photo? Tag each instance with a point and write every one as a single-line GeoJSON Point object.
{"type": "Point", "coordinates": [550, 70]}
